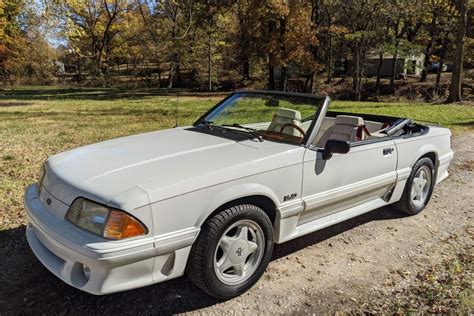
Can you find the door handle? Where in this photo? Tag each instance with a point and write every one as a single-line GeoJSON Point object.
{"type": "Point", "coordinates": [387, 151]}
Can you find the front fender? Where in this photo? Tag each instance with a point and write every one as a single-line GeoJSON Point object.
{"type": "Point", "coordinates": [192, 209]}
{"type": "Point", "coordinates": [233, 193]}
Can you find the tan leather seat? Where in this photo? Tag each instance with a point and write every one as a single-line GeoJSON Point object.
{"type": "Point", "coordinates": [346, 127]}
{"type": "Point", "coordinates": [286, 116]}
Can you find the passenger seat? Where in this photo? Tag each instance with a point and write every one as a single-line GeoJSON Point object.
{"type": "Point", "coordinates": [285, 116]}
{"type": "Point", "coordinates": [347, 128]}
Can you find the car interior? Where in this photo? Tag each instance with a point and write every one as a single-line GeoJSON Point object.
{"type": "Point", "coordinates": [349, 128]}
{"type": "Point", "coordinates": [290, 126]}
{"type": "Point", "coordinates": [285, 120]}
{"type": "Point", "coordinates": [287, 125]}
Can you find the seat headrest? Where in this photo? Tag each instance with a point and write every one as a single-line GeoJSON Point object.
{"type": "Point", "coordinates": [289, 113]}
{"type": "Point", "coordinates": [349, 120]}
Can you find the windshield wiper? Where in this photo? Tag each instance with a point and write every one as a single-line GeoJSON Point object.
{"type": "Point", "coordinates": [208, 124]}
{"type": "Point", "coordinates": [252, 131]}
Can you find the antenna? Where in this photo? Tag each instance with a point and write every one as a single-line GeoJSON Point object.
{"type": "Point", "coordinates": [177, 112]}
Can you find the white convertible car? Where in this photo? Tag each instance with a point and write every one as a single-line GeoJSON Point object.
{"type": "Point", "coordinates": [211, 199]}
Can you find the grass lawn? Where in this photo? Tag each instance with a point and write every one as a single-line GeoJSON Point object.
{"type": "Point", "coordinates": [36, 123]}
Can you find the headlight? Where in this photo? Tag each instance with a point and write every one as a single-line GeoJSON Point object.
{"type": "Point", "coordinates": [104, 221]}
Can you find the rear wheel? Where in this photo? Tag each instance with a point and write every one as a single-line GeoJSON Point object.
{"type": "Point", "coordinates": [232, 251]}
{"type": "Point", "coordinates": [418, 188]}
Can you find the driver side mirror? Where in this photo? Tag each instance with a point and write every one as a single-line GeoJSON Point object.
{"type": "Point", "coordinates": [334, 146]}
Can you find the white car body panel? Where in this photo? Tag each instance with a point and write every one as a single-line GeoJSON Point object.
{"type": "Point", "coordinates": [173, 180]}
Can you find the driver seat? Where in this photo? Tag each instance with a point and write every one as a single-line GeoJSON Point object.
{"type": "Point", "coordinates": [347, 128]}
{"type": "Point", "coordinates": [286, 116]}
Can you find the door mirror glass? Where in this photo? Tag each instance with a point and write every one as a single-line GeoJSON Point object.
{"type": "Point", "coordinates": [334, 146]}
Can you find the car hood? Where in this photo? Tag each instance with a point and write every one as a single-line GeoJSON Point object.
{"type": "Point", "coordinates": [163, 164]}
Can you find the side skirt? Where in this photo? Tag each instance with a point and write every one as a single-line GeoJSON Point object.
{"type": "Point", "coordinates": [289, 224]}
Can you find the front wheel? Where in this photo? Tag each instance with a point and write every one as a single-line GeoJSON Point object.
{"type": "Point", "coordinates": [232, 251]}
{"type": "Point", "coordinates": [418, 188]}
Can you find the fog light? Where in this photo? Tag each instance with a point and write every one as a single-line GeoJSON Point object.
{"type": "Point", "coordinates": [87, 272]}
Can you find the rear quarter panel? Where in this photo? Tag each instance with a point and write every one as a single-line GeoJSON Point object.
{"type": "Point", "coordinates": [437, 140]}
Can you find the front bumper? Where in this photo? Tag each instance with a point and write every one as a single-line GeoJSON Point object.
{"type": "Point", "coordinates": [114, 265]}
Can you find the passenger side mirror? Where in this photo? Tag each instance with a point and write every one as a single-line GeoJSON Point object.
{"type": "Point", "coordinates": [334, 146]}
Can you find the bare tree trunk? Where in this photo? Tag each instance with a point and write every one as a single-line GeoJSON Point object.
{"type": "Point", "coordinates": [174, 56]}
{"type": "Point", "coordinates": [356, 70]}
{"type": "Point", "coordinates": [284, 68]}
{"type": "Point", "coordinates": [429, 46]}
{"type": "Point", "coordinates": [361, 75]}
{"type": "Point", "coordinates": [283, 79]}
{"type": "Point", "coordinates": [159, 76]}
{"type": "Point", "coordinates": [455, 92]}
{"type": "Point", "coordinates": [178, 75]}
{"type": "Point", "coordinates": [271, 76]}
{"type": "Point", "coordinates": [379, 72]}
{"type": "Point", "coordinates": [244, 54]}
{"type": "Point", "coordinates": [309, 83]}
{"type": "Point", "coordinates": [395, 55]}
{"type": "Point", "coordinates": [158, 68]}
{"type": "Point", "coordinates": [330, 62]}
{"type": "Point", "coordinates": [440, 68]}
{"type": "Point", "coordinates": [172, 71]}
{"type": "Point", "coordinates": [246, 70]}
{"type": "Point", "coordinates": [394, 66]}
{"type": "Point", "coordinates": [271, 60]}
{"type": "Point", "coordinates": [209, 57]}
{"type": "Point", "coordinates": [106, 39]}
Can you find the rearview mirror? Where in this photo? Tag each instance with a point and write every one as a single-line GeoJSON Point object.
{"type": "Point", "coordinates": [334, 146]}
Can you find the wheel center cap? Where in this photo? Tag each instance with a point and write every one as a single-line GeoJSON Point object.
{"type": "Point", "coordinates": [239, 251]}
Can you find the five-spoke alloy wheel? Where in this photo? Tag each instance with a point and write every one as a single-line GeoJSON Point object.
{"type": "Point", "coordinates": [418, 188]}
{"type": "Point", "coordinates": [239, 252]}
{"type": "Point", "coordinates": [232, 251]}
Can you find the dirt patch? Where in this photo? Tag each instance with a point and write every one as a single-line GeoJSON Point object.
{"type": "Point", "coordinates": [13, 103]}
{"type": "Point", "coordinates": [380, 262]}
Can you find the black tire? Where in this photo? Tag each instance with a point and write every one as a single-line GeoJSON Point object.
{"type": "Point", "coordinates": [200, 266]}
{"type": "Point", "coordinates": [405, 204]}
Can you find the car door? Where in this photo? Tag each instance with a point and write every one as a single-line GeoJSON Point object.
{"type": "Point", "coordinates": [363, 175]}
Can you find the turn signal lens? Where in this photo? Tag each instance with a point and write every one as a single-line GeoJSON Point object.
{"type": "Point", "coordinates": [120, 225]}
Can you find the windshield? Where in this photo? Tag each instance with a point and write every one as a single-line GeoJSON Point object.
{"type": "Point", "coordinates": [266, 116]}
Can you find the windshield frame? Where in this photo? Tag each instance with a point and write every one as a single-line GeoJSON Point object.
{"type": "Point", "coordinates": [324, 102]}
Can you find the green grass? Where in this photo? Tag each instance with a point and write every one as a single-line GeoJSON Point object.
{"type": "Point", "coordinates": [36, 123]}
{"type": "Point", "coordinates": [459, 118]}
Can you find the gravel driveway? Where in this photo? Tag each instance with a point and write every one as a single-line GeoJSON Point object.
{"type": "Point", "coordinates": [367, 264]}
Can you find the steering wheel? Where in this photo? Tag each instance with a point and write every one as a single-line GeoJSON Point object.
{"type": "Point", "coordinates": [299, 129]}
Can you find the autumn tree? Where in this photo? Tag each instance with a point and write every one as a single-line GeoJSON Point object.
{"type": "Point", "coordinates": [437, 20]}
{"type": "Point", "coordinates": [279, 44]}
{"type": "Point", "coordinates": [155, 41]}
{"type": "Point", "coordinates": [11, 42]}
{"type": "Point", "coordinates": [361, 19]}
{"type": "Point", "coordinates": [181, 16]}
{"type": "Point", "coordinates": [287, 41]}
{"type": "Point", "coordinates": [455, 91]}
{"type": "Point", "coordinates": [90, 27]}
{"type": "Point", "coordinates": [210, 13]}
{"type": "Point", "coordinates": [38, 61]}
